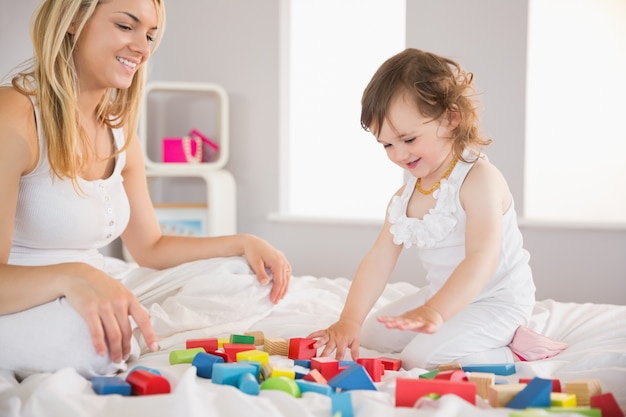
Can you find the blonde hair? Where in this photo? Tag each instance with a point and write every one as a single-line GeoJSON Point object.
{"type": "Point", "coordinates": [437, 85]}
{"type": "Point", "coordinates": [51, 78]}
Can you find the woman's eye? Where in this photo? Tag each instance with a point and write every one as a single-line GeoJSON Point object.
{"type": "Point", "coordinates": [411, 140]}
{"type": "Point", "coordinates": [387, 145]}
{"type": "Point", "coordinates": [123, 27]}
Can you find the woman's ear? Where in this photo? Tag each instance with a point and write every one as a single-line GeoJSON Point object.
{"type": "Point", "coordinates": [72, 28]}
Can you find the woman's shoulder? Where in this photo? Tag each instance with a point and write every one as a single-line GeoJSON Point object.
{"type": "Point", "coordinates": [16, 110]}
{"type": "Point", "coordinates": [17, 121]}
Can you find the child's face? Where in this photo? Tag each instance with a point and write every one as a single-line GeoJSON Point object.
{"type": "Point", "coordinates": [413, 142]}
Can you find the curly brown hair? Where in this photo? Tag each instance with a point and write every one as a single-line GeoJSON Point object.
{"type": "Point", "coordinates": [437, 84]}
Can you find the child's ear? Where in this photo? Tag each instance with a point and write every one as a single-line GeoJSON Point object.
{"type": "Point", "coordinates": [453, 117]}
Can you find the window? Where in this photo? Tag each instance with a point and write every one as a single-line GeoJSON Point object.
{"type": "Point", "coordinates": [575, 139]}
{"type": "Point", "coordinates": [332, 168]}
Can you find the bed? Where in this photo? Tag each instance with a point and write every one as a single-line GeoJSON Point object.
{"type": "Point", "coordinates": [225, 299]}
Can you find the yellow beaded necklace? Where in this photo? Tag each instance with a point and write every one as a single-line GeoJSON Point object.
{"type": "Point", "coordinates": [436, 185]}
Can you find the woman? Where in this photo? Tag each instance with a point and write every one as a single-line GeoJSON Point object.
{"type": "Point", "coordinates": [72, 174]}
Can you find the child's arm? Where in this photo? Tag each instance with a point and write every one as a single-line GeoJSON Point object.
{"type": "Point", "coordinates": [485, 197]}
{"type": "Point", "coordinates": [368, 283]}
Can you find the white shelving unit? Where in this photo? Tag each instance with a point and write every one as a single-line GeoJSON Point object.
{"type": "Point", "coordinates": [172, 109]}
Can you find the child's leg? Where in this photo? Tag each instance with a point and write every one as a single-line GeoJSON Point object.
{"type": "Point", "coordinates": [374, 335]}
{"type": "Point", "coordinates": [49, 337]}
{"type": "Point", "coordinates": [478, 334]}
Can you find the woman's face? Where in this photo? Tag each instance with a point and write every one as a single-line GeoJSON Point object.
{"type": "Point", "coordinates": [114, 43]}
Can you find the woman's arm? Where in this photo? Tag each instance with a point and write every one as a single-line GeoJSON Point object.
{"type": "Point", "coordinates": [150, 248]}
{"type": "Point", "coordinates": [102, 301]}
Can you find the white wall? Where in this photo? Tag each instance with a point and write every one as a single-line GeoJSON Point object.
{"type": "Point", "coordinates": [236, 44]}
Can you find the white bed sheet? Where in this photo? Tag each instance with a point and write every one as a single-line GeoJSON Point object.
{"type": "Point", "coordinates": [225, 299]}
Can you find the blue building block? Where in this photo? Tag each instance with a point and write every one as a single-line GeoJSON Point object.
{"type": "Point", "coordinates": [256, 364]}
{"type": "Point", "coordinates": [204, 363]}
{"type": "Point", "coordinates": [353, 377]}
{"type": "Point", "coordinates": [105, 385]}
{"type": "Point", "coordinates": [341, 404]}
{"type": "Point", "coordinates": [306, 363]}
{"type": "Point", "coordinates": [249, 384]}
{"type": "Point", "coordinates": [495, 368]}
{"type": "Point", "coordinates": [310, 386]}
{"type": "Point", "coordinates": [535, 394]}
{"type": "Point", "coordinates": [145, 368]}
{"type": "Point", "coordinates": [230, 373]}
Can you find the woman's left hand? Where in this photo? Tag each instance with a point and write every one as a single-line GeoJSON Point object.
{"type": "Point", "coordinates": [261, 257]}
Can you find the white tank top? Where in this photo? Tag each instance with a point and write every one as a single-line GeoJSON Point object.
{"type": "Point", "coordinates": [54, 223]}
{"type": "Point", "coordinates": [440, 238]}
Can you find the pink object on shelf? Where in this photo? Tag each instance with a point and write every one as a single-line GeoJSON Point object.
{"type": "Point", "coordinates": [193, 148]}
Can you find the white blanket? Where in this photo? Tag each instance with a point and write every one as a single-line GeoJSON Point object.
{"type": "Point", "coordinates": [221, 297]}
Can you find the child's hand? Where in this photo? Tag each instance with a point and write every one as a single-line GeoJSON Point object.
{"type": "Point", "coordinates": [339, 336]}
{"type": "Point", "coordinates": [423, 319]}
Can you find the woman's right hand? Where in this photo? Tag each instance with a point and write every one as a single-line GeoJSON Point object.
{"type": "Point", "coordinates": [338, 337]}
{"type": "Point", "coordinates": [106, 305]}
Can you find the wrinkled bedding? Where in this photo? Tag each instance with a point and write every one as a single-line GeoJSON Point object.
{"type": "Point", "coordinates": [220, 297]}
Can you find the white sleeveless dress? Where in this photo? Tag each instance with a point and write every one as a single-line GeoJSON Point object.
{"type": "Point", "coordinates": [481, 332]}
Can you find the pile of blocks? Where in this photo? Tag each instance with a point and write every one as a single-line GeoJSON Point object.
{"type": "Point", "coordinates": [238, 361]}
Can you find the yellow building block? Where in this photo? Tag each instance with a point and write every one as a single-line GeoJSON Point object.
{"type": "Point", "coordinates": [221, 341]}
{"type": "Point", "coordinates": [253, 356]}
{"type": "Point", "coordinates": [562, 399]}
{"type": "Point", "coordinates": [286, 372]}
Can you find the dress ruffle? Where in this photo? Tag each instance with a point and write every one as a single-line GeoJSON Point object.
{"type": "Point", "coordinates": [438, 223]}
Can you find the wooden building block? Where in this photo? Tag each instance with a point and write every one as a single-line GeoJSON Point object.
{"type": "Point", "coordinates": [259, 337]}
{"type": "Point", "coordinates": [500, 395]}
{"type": "Point", "coordinates": [449, 366]}
{"type": "Point", "coordinates": [483, 381]}
{"type": "Point", "coordinates": [584, 389]}
{"type": "Point", "coordinates": [276, 346]}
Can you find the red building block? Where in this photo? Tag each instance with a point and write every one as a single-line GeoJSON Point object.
{"type": "Point", "coordinates": [607, 403]}
{"type": "Point", "coordinates": [147, 383]}
{"type": "Point", "coordinates": [301, 348]}
{"type": "Point", "coordinates": [328, 367]}
{"type": "Point", "coordinates": [209, 345]}
{"type": "Point", "coordinates": [556, 383]}
{"type": "Point", "coordinates": [391, 364]}
{"type": "Point", "coordinates": [231, 350]}
{"type": "Point", "coordinates": [409, 390]}
{"type": "Point", "coordinates": [373, 366]}
{"type": "Point", "coordinates": [456, 375]}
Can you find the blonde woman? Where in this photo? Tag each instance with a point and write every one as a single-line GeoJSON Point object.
{"type": "Point", "coordinates": [72, 177]}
